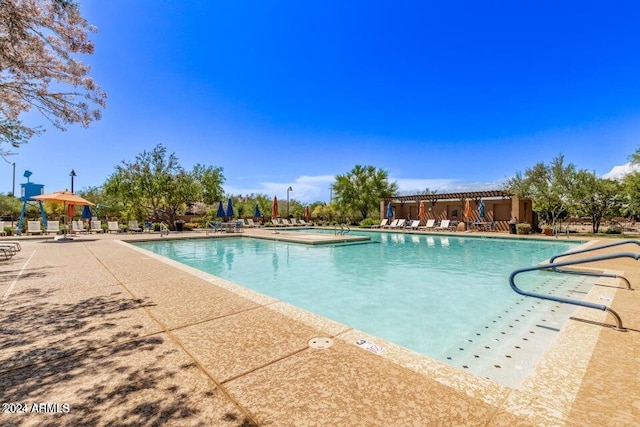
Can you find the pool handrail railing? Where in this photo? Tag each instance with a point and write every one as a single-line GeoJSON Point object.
{"type": "Point", "coordinates": [591, 249]}
{"type": "Point", "coordinates": [618, 320]}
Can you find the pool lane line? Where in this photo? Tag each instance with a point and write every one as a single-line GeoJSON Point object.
{"type": "Point", "coordinates": [13, 284]}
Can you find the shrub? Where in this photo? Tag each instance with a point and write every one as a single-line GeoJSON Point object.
{"type": "Point", "coordinates": [9, 231]}
{"type": "Point", "coordinates": [523, 228]}
{"type": "Point", "coordinates": [368, 223]}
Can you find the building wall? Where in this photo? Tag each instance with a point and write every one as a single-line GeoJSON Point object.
{"type": "Point", "coordinates": [500, 210]}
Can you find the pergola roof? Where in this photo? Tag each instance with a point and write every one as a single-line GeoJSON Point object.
{"type": "Point", "coordinates": [471, 195]}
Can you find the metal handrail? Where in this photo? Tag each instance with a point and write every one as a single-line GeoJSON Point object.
{"type": "Point", "coordinates": [342, 231]}
{"type": "Point", "coordinates": [589, 273]}
{"type": "Point", "coordinates": [619, 326]}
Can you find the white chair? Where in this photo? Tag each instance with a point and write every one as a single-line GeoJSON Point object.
{"type": "Point", "coordinates": [430, 225]}
{"type": "Point", "coordinates": [393, 224]}
{"type": "Point", "coordinates": [444, 225]}
{"type": "Point", "coordinates": [96, 226]}
{"type": "Point", "coordinates": [252, 224]}
{"type": "Point", "coordinates": [134, 227]}
{"type": "Point", "coordinates": [34, 227]}
{"type": "Point", "coordinates": [382, 223]}
{"type": "Point", "coordinates": [415, 224]}
{"type": "Point", "coordinates": [113, 227]}
{"type": "Point", "coordinates": [400, 223]}
{"type": "Point", "coordinates": [53, 227]}
{"type": "Point", "coordinates": [77, 227]}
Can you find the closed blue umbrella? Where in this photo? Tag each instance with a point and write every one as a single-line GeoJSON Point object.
{"type": "Point", "coordinates": [229, 208]}
{"type": "Point", "coordinates": [257, 213]}
{"type": "Point", "coordinates": [220, 212]}
{"type": "Point", "coordinates": [389, 211]}
{"type": "Point", "coordinates": [86, 212]}
{"type": "Point", "coordinates": [481, 209]}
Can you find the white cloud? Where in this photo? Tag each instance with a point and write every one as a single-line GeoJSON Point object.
{"type": "Point", "coordinates": [619, 172]}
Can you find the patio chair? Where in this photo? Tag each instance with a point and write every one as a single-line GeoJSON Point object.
{"type": "Point", "coordinates": [285, 222]}
{"type": "Point", "coordinates": [393, 224]}
{"type": "Point", "coordinates": [34, 227]}
{"type": "Point", "coordinates": [2, 232]}
{"type": "Point", "coordinates": [414, 224]}
{"type": "Point", "coordinates": [239, 227]}
{"type": "Point", "coordinates": [252, 224]}
{"type": "Point", "coordinates": [12, 244]}
{"type": "Point", "coordinates": [77, 227]}
{"type": "Point", "coordinates": [400, 223]}
{"type": "Point", "coordinates": [134, 227]}
{"type": "Point", "coordinates": [444, 225]}
{"type": "Point", "coordinates": [52, 227]}
{"type": "Point", "coordinates": [96, 226]}
{"type": "Point", "coordinates": [113, 227]}
{"type": "Point", "coordinates": [382, 223]}
{"type": "Point", "coordinates": [6, 252]}
{"type": "Point", "coordinates": [430, 225]}
{"type": "Point", "coordinates": [304, 223]}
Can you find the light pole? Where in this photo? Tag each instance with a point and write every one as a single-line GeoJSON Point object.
{"type": "Point", "coordinates": [288, 189]}
{"type": "Point", "coordinates": [72, 174]}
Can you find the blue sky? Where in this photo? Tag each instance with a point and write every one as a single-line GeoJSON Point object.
{"type": "Point", "coordinates": [446, 95]}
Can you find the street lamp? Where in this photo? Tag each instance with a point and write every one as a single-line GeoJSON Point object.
{"type": "Point", "coordinates": [72, 174]}
{"type": "Point", "coordinates": [288, 189]}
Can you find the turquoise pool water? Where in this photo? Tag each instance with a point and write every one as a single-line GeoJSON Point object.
{"type": "Point", "coordinates": [427, 293]}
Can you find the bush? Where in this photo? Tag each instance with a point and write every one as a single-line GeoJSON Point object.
{"type": "Point", "coordinates": [523, 228]}
{"type": "Point", "coordinates": [613, 231]}
{"type": "Point", "coordinates": [368, 223]}
{"type": "Point", "coordinates": [9, 231]}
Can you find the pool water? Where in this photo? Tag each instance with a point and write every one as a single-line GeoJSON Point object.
{"type": "Point", "coordinates": [430, 294]}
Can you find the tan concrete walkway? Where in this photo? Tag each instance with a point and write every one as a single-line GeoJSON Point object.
{"type": "Point", "coordinates": [108, 334]}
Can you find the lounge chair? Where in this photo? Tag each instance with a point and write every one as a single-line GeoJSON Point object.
{"type": "Point", "coordinates": [400, 223]}
{"type": "Point", "coordinates": [134, 227]}
{"type": "Point", "coordinates": [2, 232]}
{"type": "Point", "coordinates": [77, 227]}
{"type": "Point", "coordinates": [285, 222]}
{"type": "Point", "coordinates": [304, 223]}
{"type": "Point", "coordinates": [250, 223]}
{"type": "Point", "coordinates": [393, 224]}
{"type": "Point", "coordinates": [34, 227]}
{"type": "Point", "coordinates": [382, 223]}
{"type": "Point", "coordinates": [113, 227]}
{"type": "Point", "coordinates": [430, 225]}
{"type": "Point", "coordinates": [444, 225]}
{"type": "Point", "coordinates": [414, 224]}
{"type": "Point", "coordinates": [276, 222]}
{"type": "Point", "coordinates": [15, 245]}
{"type": "Point", "coordinates": [53, 227]}
{"type": "Point", "coordinates": [7, 252]}
{"type": "Point", "coordinates": [96, 226]}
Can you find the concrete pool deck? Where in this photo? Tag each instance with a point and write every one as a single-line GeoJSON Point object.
{"type": "Point", "coordinates": [124, 337]}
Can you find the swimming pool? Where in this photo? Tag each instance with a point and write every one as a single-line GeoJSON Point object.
{"type": "Point", "coordinates": [433, 294]}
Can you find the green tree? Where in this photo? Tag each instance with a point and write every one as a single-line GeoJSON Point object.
{"type": "Point", "coordinates": [596, 197]}
{"type": "Point", "coordinates": [10, 206]}
{"type": "Point", "coordinates": [359, 191]}
{"type": "Point", "coordinates": [155, 186]}
{"type": "Point", "coordinates": [550, 187]}
{"type": "Point", "coordinates": [38, 70]}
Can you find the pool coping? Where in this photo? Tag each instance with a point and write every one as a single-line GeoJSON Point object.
{"type": "Point", "coordinates": [540, 399]}
{"type": "Point", "coordinates": [560, 393]}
